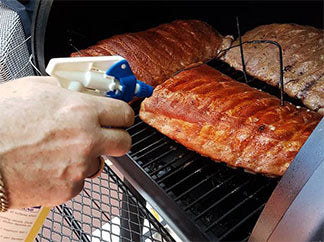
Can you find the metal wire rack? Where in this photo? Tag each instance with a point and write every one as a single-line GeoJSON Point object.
{"type": "Point", "coordinates": [223, 202]}
{"type": "Point", "coordinates": [106, 210]}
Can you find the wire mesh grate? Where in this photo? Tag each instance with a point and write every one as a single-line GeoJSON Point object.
{"type": "Point", "coordinates": [106, 210]}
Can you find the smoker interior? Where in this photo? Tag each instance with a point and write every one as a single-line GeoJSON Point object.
{"type": "Point", "coordinates": [224, 203]}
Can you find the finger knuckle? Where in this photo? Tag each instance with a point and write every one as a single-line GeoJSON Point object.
{"type": "Point", "coordinates": [129, 115]}
{"type": "Point", "coordinates": [124, 144]}
{"type": "Point", "coordinates": [76, 103]}
{"type": "Point", "coordinates": [128, 141]}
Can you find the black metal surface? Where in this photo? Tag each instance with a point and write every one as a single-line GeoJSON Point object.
{"type": "Point", "coordinates": [67, 22]}
{"type": "Point", "coordinates": [38, 29]}
{"type": "Point", "coordinates": [105, 210]}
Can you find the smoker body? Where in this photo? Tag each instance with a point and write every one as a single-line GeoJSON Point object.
{"type": "Point", "coordinates": [151, 177]}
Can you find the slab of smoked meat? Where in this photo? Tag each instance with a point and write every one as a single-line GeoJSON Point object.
{"type": "Point", "coordinates": [158, 53]}
{"type": "Point", "coordinates": [228, 121]}
{"type": "Point", "coordinates": [303, 59]}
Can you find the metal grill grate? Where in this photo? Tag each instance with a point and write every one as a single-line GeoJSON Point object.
{"type": "Point", "coordinates": [104, 211]}
{"type": "Point", "coordinates": [223, 202]}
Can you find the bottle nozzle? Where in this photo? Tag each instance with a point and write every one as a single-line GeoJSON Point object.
{"type": "Point", "coordinates": [143, 89]}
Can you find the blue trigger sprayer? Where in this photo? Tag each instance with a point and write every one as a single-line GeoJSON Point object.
{"type": "Point", "coordinates": [109, 76]}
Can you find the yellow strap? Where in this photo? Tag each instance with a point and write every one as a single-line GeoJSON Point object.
{"type": "Point", "coordinates": [38, 224]}
{"type": "Point", "coordinates": [155, 214]}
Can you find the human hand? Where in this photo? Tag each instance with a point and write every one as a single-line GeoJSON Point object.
{"type": "Point", "coordinates": [51, 139]}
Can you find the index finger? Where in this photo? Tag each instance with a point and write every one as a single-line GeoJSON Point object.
{"type": "Point", "coordinates": [114, 113]}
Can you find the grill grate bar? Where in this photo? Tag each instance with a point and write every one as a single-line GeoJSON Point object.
{"type": "Point", "coordinates": [241, 222]}
{"type": "Point", "coordinates": [220, 200]}
{"type": "Point", "coordinates": [150, 151]}
{"type": "Point", "coordinates": [174, 160]}
{"type": "Point", "coordinates": [235, 207]}
{"type": "Point", "coordinates": [188, 159]}
{"type": "Point", "coordinates": [193, 188]}
{"type": "Point", "coordinates": [209, 192]}
{"type": "Point", "coordinates": [147, 147]}
{"type": "Point", "coordinates": [139, 132]}
{"type": "Point", "coordinates": [145, 138]}
{"type": "Point", "coordinates": [156, 158]}
{"type": "Point", "coordinates": [159, 181]}
{"type": "Point", "coordinates": [185, 178]}
{"type": "Point", "coordinates": [246, 238]}
{"type": "Point", "coordinates": [135, 125]}
{"type": "Point", "coordinates": [240, 78]}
